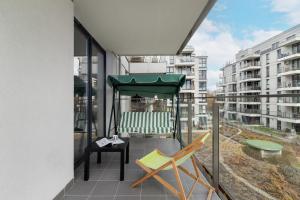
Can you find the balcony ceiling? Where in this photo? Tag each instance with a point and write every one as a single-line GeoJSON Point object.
{"type": "Point", "coordinates": [142, 27]}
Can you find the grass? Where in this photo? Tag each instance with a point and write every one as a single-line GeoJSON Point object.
{"type": "Point", "coordinates": [266, 130]}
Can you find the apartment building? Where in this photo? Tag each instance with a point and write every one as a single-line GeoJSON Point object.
{"type": "Point", "coordinates": [271, 67]}
{"type": "Point", "coordinates": [195, 88]}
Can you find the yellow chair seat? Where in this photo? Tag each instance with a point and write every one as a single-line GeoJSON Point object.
{"type": "Point", "coordinates": [154, 160]}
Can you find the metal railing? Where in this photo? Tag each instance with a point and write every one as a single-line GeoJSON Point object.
{"type": "Point", "coordinates": [202, 77]}
{"type": "Point", "coordinates": [249, 99]}
{"type": "Point", "coordinates": [288, 115]}
{"type": "Point", "coordinates": [288, 69]}
{"type": "Point", "coordinates": [186, 59]}
{"type": "Point", "coordinates": [250, 76]}
{"type": "Point", "coordinates": [288, 84]}
{"type": "Point", "coordinates": [251, 64]}
{"type": "Point", "coordinates": [232, 90]}
{"type": "Point", "coordinates": [283, 55]}
{"type": "Point", "coordinates": [289, 100]}
{"type": "Point", "coordinates": [251, 111]}
{"type": "Point", "coordinates": [249, 88]}
{"type": "Point", "coordinates": [232, 109]}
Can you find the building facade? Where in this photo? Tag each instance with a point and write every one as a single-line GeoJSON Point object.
{"type": "Point", "coordinates": [195, 88]}
{"type": "Point", "coordinates": [271, 67]}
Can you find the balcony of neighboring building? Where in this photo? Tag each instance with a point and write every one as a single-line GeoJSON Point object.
{"type": "Point", "coordinates": [253, 65]}
{"type": "Point", "coordinates": [188, 71]}
{"type": "Point", "coordinates": [289, 101]}
{"type": "Point", "coordinates": [232, 100]}
{"type": "Point", "coordinates": [250, 77]}
{"type": "Point", "coordinates": [289, 69]}
{"type": "Point", "coordinates": [289, 85]}
{"type": "Point", "coordinates": [184, 61]}
{"type": "Point", "coordinates": [248, 54]}
{"type": "Point", "coordinates": [232, 108]}
{"type": "Point", "coordinates": [202, 77]}
{"type": "Point", "coordinates": [250, 111]}
{"type": "Point", "coordinates": [294, 54]}
{"type": "Point", "coordinates": [220, 98]}
{"type": "Point", "coordinates": [220, 91]}
{"type": "Point", "coordinates": [232, 89]}
{"type": "Point", "coordinates": [250, 100]}
{"type": "Point", "coordinates": [291, 40]}
{"type": "Point", "coordinates": [250, 89]}
{"type": "Point", "coordinates": [292, 117]}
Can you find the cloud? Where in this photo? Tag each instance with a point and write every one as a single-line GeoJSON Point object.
{"type": "Point", "coordinates": [290, 8]}
{"type": "Point", "coordinates": [217, 41]}
{"type": "Point", "coordinates": [258, 36]}
{"type": "Point", "coordinates": [213, 77]}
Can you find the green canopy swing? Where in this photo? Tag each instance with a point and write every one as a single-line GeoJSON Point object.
{"type": "Point", "coordinates": [162, 86]}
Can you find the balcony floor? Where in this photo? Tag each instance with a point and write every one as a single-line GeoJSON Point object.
{"type": "Point", "coordinates": [104, 181]}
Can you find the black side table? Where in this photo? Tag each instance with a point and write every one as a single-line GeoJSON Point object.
{"type": "Point", "coordinates": [122, 148]}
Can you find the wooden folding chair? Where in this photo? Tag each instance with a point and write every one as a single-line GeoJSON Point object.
{"type": "Point", "coordinates": [156, 161]}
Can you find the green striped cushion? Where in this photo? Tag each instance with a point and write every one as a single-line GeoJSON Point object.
{"type": "Point", "coordinates": [146, 122]}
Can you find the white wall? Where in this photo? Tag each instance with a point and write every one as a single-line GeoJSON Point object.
{"type": "Point", "coordinates": [36, 98]}
{"type": "Point", "coordinates": [148, 67]}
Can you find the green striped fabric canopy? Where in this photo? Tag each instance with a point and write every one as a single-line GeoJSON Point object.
{"type": "Point", "coordinates": [146, 123]}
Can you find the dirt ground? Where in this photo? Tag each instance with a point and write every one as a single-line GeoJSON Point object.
{"type": "Point", "coordinates": [278, 176]}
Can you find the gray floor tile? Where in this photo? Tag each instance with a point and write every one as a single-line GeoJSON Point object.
{"type": "Point", "coordinates": [133, 174]}
{"type": "Point", "coordinates": [95, 175]}
{"type": "Point", "coordinates": [175, 185]}
{"type": "Point", "coordinates": [101, 198]}
{"type": "Point", "coordinates": [105, 188]}
{"type": "Point", "coordinates": [81, 188]}
{"type": "Point", "coordinates": [132, 165]}
{"type": "Point", "coordinates": [171, 197]}
{"type": "Point", "coordinates": [114, 165]}
{"type": "Point", "coordinates": [152, 197]}
{"type": "Point", "coordinates": [127, 198]}
{"type": "Point", "coordinates": [98, 166]}
{"type": "Point", "coordinates": [75, 197]}
{"type": "Point", "coordinates": [110, 175]}
{"type": "Point", "coordinates": [124, 188]}
{"type": "Point", "coordinates": [152, 187]}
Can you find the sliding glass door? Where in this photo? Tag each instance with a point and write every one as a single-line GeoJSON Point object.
{"type": "Point", "coordinates": [89, 91]}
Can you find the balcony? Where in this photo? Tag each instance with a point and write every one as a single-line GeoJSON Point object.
{"type": "Point", "coordinates": [104, 178]}
{"type": "Point", "coordinates": [220, 91]}
{"type": "Point", "coordinates": [249, 100]}
{"type": "Point", "coordinates": [232, 109]}
{"type": "Point", "coordinates": [250, 89]}
{"type": "Point", "coordinates": [291, 40]}
{"type": "Point", "coordinates": [248, 54]}
{"type": "Point", "coordinates": [184, 61]}
{"type": "Point", "coordinates": [250, 77]}
{"type": "Point", "coordinates": [187, 90]}
{"type": "Point", "coordinates": [288, 70]}
{"type": "Point", "coordinates": [289, 117]}
{"type": "Point", "coordinates": [290, 85]}
{"type": "Point", "coordinates": [289, 101]}
{"type": "Point", "coordinates": [189, 75]}
{"type": "Point", "coordinates": [250, 111]}
{"type": "Point", "coordinates": [232, 90]}
{"type": "Point", "coordinates": [234, 100]}
{"type": "Point", "coordinates": [202, 78]}
{"type": "Point", "coordinates": [289, 56]}
{"type": "Point", "coordinates": [250, 66]}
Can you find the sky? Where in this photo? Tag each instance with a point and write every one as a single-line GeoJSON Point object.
{"type": "Point", "coordinates": [232, 25]}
